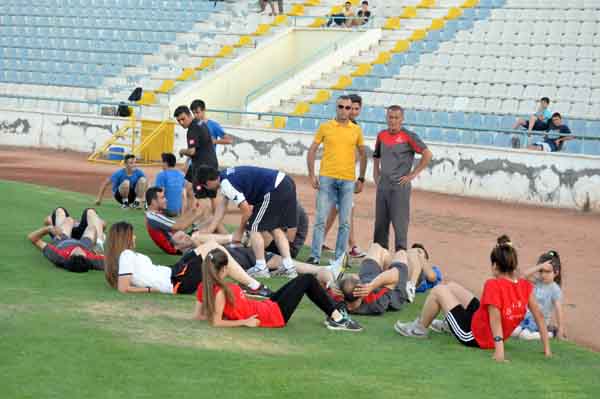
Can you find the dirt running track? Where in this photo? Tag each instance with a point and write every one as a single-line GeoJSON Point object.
{"type": "Point", "coordinates": [459, 232]}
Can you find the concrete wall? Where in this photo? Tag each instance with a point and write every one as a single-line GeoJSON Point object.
{"type": "Point", "coordinates": [558, 180]}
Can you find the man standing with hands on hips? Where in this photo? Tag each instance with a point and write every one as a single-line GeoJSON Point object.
{"type": "Point", "coordinates": [393, 172]}
{"type": "Point", "coordinates": [337, 181]}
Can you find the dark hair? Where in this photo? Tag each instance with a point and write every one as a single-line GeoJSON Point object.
{"type": "Point", "coordinates": [557, 114]}
{"type": "Point", "coordinates": [417, 245]}
{"type": "Point", "coordinates": [504, 256]}
{"type": "Point", "coordinates": [182, 109]}
{"type": "Point", "coordinates": [545, 99]}
{"type": "Point", "coordinates": [355, 98]}
{"type": "Point", "coordinates": [204, 173]}
{"type": "Point", "coordinates": [198, 104]}
{"type": "Point", "coordinates": [503, 239]}
{"type": "Point", "coordinates": [169, 159]}
{"type": "Point", "coordinates": [214, 262]}
{"type": "Point", "coordinates": [347, 286]}
{"type": "Point", "coordinates": [77, 264]}
{"type": "Point", "coordinates": [554, 259]}
{"type": "Point", "coordinates": [119, 238]}
{"type": "Point", "coordinates": [346, 3]}
{"type": "Point", "coordinates": [365, 2]}
{"type": "Point", "coordinates": [344, 98]}
{"type": "Point", "coordinates": [152, 194]}
{"type": "Point", "coordinates": [128, 157]}
{"type": "Point", "coordinates": [395, 108]}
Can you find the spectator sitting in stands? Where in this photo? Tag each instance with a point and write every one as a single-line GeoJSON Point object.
{"type": "Point", "coordinates": [363, 15]}
{"type": "Point", "coordinates": [263, 6]}
{"type": "Point", "coordinates": [344, 18]}
{"type": "Point", "coordinates": [553, 140]}
{"type": "Point", "coordinates": [539, 120]}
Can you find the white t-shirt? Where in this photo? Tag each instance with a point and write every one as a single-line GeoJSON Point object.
{"type": "Point", "coordinates": [144, 273]}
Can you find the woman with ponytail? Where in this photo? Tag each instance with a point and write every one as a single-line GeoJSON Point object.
{"type": "Point", "coordinates": [225, 305]}
{"type": "Point", "coordinates": [130, 271]}
{"type": "Point", "coordinates": [484, 323]}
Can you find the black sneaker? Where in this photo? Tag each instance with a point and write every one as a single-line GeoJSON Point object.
{"type": "Point", "coordinates": [346, 324]}
{"type": "Point", "coordinates": [313, 261]}
{"type": "Point", "coordinates": [262, 292]}
{"type": "Point", "coordinates": [125, 204]}
{"type": "Point", "coordinates": [136, 205]}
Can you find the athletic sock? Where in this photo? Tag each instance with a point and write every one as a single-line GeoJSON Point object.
{"type": "Point", "coordinates": [254, 284]}
{"type": "Point", "coordinates": [260, 264]}
{"type": "Point", "coordinates": [336, 316]}
{"type": "Point", "coordinates": [288, 263]}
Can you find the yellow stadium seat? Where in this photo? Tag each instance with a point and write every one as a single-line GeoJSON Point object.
{"type": "Point", "coordinates": [401, 46]}
{"type": "Point", "coordinates": [355, 2]}
{"type": "Point", "coordinates": [321, 96]}
{"type": "Point", "coordinates": [243, 41]}
{"type": "Point", "coordinates": [418, 34]}
{"type": "Point", "coordinates": [262, 29]}
{"type": "Point", "coordinates": [392, 23]}
{"type": "Point", "coordinates": [336, 10]}
{"type": "Point", "coordinates": [470, 3]}
{"type": "Point", "coordinates": [426, 4]}
{"type": "Point", "coordinates": [206, 63]}
{"type": "Point", "coordinates": [312, 3]}
{"type": "Point", "coordinates": [301, 108]}
{"type": "Point", "coordinates": [296, 11]}
{"type": "Point", "coordinates": [437, 24]}
{"type": "Point", "coordinates": [343, 82]}
{"type": "Point", "coordinates": [166, 86]}
{"type": "Point", "coordinates": [318, 22]}
{"type": "Point", "coordinates": [148, 98]}
{"type": "Point", "coordinates": [279, 20]}
{"type": "Point", "coordinates": [453, 13]}
{"type": "Point", "coordinates": [409, 12]}
{"type": "Point", "coordinates": [225, 51]}
{"type": "Point", "coordinates": [383, 58]}
{"type": "Point", "coordinates": [362, 70]}
{"type": "Point", "coordinates": [186, 74]}
{"type": "Point", "coordinates": [279, 122]}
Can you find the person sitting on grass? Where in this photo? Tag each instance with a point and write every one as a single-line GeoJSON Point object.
{"type": "Point", "coordinates": [64, 251]}
{"type": "Point", "coordinates": [553, 140]}
{"type": "Point", "coordinates": [128, 185]}
{"type": "Point", "coordinates": [385, 283]}
{"type": "Point", "coordinates": [488, 323]}
{"type": "Point", "coordinates": [547, 277]}
{"type": "Point", "coordinates": [130, 271]}
{"type": "Point", "coordinates": [225, 305]}
{"type": "Point", "coordinates": [172, 181]}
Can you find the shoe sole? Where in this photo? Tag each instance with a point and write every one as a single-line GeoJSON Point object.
{"type": "Point", "coordinates": [332, 328]}
{"type": "Point", "coordinates": [405, 334]}
{"type": "Point", "coordinates": [257, 296]}
{"type": "Point", "coordinates": [357, 256]}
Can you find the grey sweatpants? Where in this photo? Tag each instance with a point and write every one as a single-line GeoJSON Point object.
{"type": "Point", "coordinates": [392, 205]}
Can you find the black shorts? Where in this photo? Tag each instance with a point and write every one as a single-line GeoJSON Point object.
{"type": "Point", "coordinates": [278, 209]}
{"type": "Point", "coordinates": [244, 255]}
{"type": "Point", "coordinates": [186, 274]}
{"type": "Point", "coordinates": [459, 321]}
{"type": "Point", "coordinates": [203, 192]}
{"type": "Point", "coordinates": [537, 125]}
{"type": "Point", "coordinates": [131, 196]}
{"type": "Point", "coordinates": [79, 229]}
{"type": "Point", "coordinates": [272, 248]}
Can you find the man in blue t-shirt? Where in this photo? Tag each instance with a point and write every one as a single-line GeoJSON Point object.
{"type": "Point", "coordinates": [267, 200]}
{"type": "Point", "coordinates": [172, 181]}
{"type": "Point", "coordinates": [539, 120]}
{"type": "Point", "coordinates": [128, 185]}
{"type": "Point", "coordinates": [219, 136]}
{"type": "Point", "coordinates": [555, 137]}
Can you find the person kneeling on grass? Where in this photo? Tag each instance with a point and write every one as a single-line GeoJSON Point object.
{"type": "Point", "coordinates": [130, 271]}
{"type": "Point", "coordinates": [385, 283]}
{"type": "Point", "coordinates": [486, 324]}
{"type": "Point", "coordinates": [225, 305]}
{"type": "Point", "coordinates": [128, 185]}
{"type": "Point", "coordinates": [72, 247]}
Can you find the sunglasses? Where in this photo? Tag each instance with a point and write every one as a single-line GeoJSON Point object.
{"type": "Point", "coordinates": [346, 107]}
{"type": "Point", "coordinates": [545, 271]}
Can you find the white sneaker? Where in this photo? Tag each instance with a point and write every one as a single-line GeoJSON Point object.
{"type": "Point", "coordinates": [256, 271]}
{"type": "Point", "coordinates": [411, 291]}
{"type": "Point", "coordinates": [100, 243]}
{"type": "Point", "coordinates": [529, 335]}
{"type": "Point", "coordinates": [411, 329]}
{"type": "Point", "coordinates": [283, 272]}
{"type": "Point", "coordinates": [516, 332]}
{"type": "Point", "coordinates": [440, 326]}
{"type": "Point", "coordinates": [336, 267]}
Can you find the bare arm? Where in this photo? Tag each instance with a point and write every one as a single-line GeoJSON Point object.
{"type": "Point", "coordinates": [362, 153]}
{"type": "Point", "coordinates": [246, 213]}
{"type": "Point", "coordinates": [189, 152]}
{"type": "Point", "coordinates": [185, 220]}
{"type": "Point", "coordinates": [36, 237]}
{"type": "Point", "coordinates": [103, 186]}
{"type": "Point", "coordinates": [389, 277]}
{"type": "Point", "coordinates": [559, 318]}
{"type": "Point", "coordinates": [541, 323]}
{"type": "Point", "coordinates": [310, 161]}
{"type": "Point", "coordinates": [219, 215]}
{"type": "Point", "coordinates": [376, 170]}
{"type": "Point", "coordinates": [227, 139]}
{"type": "Point", "coordinates": [530, 272]}
{"type": "Point", "coordinates": [199, 312]}
{"type": "Point", "coordinates": [426, 157]}
{"type": "Point", "coordinates": [218, 321]}
{"type": "Point", "coordinates": [496, 327]}
{"type": "Point", "coordinates": [124, 286]}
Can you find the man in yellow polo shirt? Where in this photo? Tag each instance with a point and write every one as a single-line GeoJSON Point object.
{"type": "Point", "coordinates": [337, 181]}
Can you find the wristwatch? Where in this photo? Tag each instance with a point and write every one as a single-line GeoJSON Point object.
{"type": "Point", "coordinates": [361, 179]}
{"type": "Point", "coordinates": [498, 338]}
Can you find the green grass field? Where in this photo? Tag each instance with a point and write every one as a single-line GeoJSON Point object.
{"type": "Point", "coordinates": [64, 335]}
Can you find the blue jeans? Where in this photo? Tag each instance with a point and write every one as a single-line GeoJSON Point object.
{"type": "Point", "coordinates": [339, 192]}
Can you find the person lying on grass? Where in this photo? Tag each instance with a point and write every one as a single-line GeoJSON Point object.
{"type": "Point", "coordinates": [73, 246]}
{"type": "Point", "coordinates": [385, 282]}
{"type": "Point", "coordinates": [225, 305]}
{"type": "Point", "coordinates": [130, 271]}
{"type": "Point", "coordinates": [487, 323]}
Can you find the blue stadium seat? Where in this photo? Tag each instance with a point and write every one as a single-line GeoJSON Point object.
{"type": "Point", "coordinates": [424, 117]}
{"type": "Point", "coordinates": [491, 122]}
{"type": "Point", "coordinates": [293, 123]}
{"type": "Point", "coordinates": [468, 137]}
{"type": "Point", "coordinates": [452, 135]}
{"type": "Point", "coordinates": [434, 134]}
{"type": "Point", "coordinates": [457, 119]}
{"type": "Point", "coordinates": [507, 122]}
{"type": "Point", "coordinates": [591, 147]}
{"type": "Point", "coordinates": [309, 124]}
{"type": "Point", "coordinates": [474, 120]}
{"type": "Point", "coordinates": [592, 128]}
{"type": "Point", "coordinates": [440, 118]}
{"type": "Point", "coordinates": [573, 147]}
{"type": "Point", "coordinates": [379, 114]}
{"type": "Point", "coordinates": [503, 140]}
{"type": "Point", "coordinates": [410, 116]}
{"type": "Point", "coordinates": [380, 70]}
